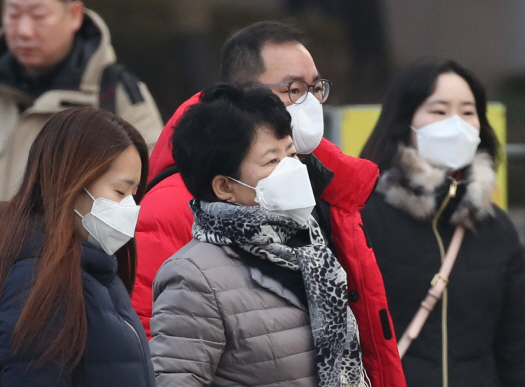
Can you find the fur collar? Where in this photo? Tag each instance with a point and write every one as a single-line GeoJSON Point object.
{"type": "Point", "coordinates": [413, 185]}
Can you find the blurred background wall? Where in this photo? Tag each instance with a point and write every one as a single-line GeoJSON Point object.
{"type": "Point", "coordinates": [174, 46]}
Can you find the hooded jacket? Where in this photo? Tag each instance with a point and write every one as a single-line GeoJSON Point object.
{"type": "Point", "coordinates": [117, 352]}
{"type": "Point", "coordinates": [26, 104]}
{"type": "Point", "coordinates": [165, 222]}
{"type": "Point", "coordinates": [486, 289]}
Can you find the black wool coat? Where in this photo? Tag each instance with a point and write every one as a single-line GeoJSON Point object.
{"type": "Point", "coordinates": [486, 292]}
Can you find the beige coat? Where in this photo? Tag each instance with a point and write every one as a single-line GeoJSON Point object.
{"type": "Point", "coordinates": [219, 322]}
{"type": "Point", "coordinates": [18, 130]}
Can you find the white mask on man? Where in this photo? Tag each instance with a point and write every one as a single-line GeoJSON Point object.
{"type": "Point", "coordinates": [450, 144]}
{"type": "Point", "coordinates": [307, 124]}
{"type": "Point", "coordinates": [111, 224]}
{"type": "Point", "coordinates": [287, 191]}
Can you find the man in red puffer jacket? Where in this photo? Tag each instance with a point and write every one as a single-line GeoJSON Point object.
{"type": "Point", "coordinates": [272, 54]}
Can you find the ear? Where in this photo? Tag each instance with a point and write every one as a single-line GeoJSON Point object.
{"type": "Point", "coordinates": [223, 188]}
{"type": "Point", "coordinates": [76, 11]}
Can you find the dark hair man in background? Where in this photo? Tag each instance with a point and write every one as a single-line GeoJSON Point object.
{"type": "Point", "coordinates": [56, 54]}
{"type": "Point", "coordinates": [273, 54]}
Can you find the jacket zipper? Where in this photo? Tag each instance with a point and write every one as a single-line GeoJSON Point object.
{"type": "Point", "coordinates": [146, 379]}
{"type": "Point", "coordinates": [452, 190]}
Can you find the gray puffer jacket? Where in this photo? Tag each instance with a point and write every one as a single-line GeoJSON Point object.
{"type": "Point", "coordinates": [218, 321]}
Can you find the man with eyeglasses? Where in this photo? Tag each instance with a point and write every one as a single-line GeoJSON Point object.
{"type": "Point", "coordinates": [274, 55]}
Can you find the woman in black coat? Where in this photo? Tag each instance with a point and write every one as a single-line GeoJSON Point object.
{"type": "Point", "coordinates": [438, 155]}
{"type": "Point", "coordinates": [67, 258]}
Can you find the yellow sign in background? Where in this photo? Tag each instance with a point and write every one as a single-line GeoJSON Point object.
{"type": "Point", "coordinates": [358, 121]}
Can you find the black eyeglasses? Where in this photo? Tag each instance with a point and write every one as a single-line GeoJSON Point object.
{"type": "Point", "coordinates": [298, 90]}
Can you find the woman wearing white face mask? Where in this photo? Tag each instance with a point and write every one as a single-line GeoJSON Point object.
{"type": "Point", "coordinates": [438, 154]}
{"type": "Point", "coordinates": [67, 258]}
{"type": "Point", "coordinates": [257, 298]}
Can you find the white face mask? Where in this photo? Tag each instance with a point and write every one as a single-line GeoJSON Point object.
{"type": "Point", "coordinates": [307, 124]}
{"type": "Point", "coordinates": [286, 191]}
{"type": "Point", "coordinates": [111, 224]}
{"type": "Point", "coordinates": [450, 144]}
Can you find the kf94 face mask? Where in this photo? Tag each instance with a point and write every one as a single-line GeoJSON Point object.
{"type": "Point", "coordinates": [450, 144]}
{"type": "Point", "coordinates": [286, 191]}
{"type": "Point", "coordinates": [111, 224]}
{"type": "Point", "coordinates": [307, 124]}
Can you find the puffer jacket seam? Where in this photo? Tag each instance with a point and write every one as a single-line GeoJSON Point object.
{"type": "Point", "coordinates": [273, 333]}
{"type": "Point", "coordinates": [218, 267]}
{"type": "Point", "coordinates": [280, 358]}
{"type": "Point", "coordinates": [221, 312]}
{"type": "Point", "coordinates": [258, 310]}
{"type": "Point", "coordinates": [283, 383]}
{"type": "Point", "coordinates": [186, 359]}
{"type": "Point", "coordinates": [276, 384]}
{"type": "Point", "coordinates": [195, 315]}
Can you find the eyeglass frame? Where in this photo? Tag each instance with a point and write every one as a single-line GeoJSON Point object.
{"type": "Point", "coordinates": [309, 86]}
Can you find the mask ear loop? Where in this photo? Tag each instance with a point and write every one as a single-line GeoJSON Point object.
{"type": "Point", "coordinates": [240, 182]}
{"type": "Point", "coordinates": [92, 198]}
{"type": "Point", "coordinates": [257, 198]}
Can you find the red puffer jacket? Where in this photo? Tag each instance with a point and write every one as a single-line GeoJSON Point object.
{"type": "Point", "coordinates": [353, 182]}
{"type": "Point", "coordinates": [164, 227]}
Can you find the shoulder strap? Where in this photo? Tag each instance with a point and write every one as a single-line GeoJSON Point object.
{"type": "Point", "coordinates": [113, 75]}
{"type": "Point", "coordinates": [439, 284]}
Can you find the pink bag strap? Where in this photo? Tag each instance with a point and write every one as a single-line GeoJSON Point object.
{"type": "Point", "coordinates": [439, 283]}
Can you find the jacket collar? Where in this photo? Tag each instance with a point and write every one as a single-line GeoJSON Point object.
{"type": "Point", "coordinates": [268, 282]}
{"type": "Point", "coordinates": [416, 187]}
{"type": "Point", "coordinates": [320, 176]}
{"type": "Point", "coordinates": [98, 264]}
{"type": "Point", "coordinates": [94, 260]}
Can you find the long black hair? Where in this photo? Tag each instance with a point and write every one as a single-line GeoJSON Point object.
{"type": "Point", "coordinates": [406, 93]}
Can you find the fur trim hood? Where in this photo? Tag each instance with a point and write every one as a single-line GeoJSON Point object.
{"type": "Point", "coordinates": [414, 186]}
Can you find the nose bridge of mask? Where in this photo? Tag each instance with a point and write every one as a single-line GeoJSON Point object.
{"type": "Point", "coordinates": [282, 164]}
{"type": "Point", "coordinates": [307, 124]}
{"type": "Point", "coordinates": [470, 130]}
{"type": "Point", "coordinates": [128, 201]}
{"type": "Point", "coordinates": [447, 126]}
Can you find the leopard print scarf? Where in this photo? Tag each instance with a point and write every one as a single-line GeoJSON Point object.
{"type": "Point", "coordinates": [264, 234]}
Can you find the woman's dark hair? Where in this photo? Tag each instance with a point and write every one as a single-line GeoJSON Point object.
{"type": "Point", "coordinates": [214, 136]}
{"type": "Point", "coordinates": [73, 149]}
{"type": "Point", "coordinates": [406, 93]}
